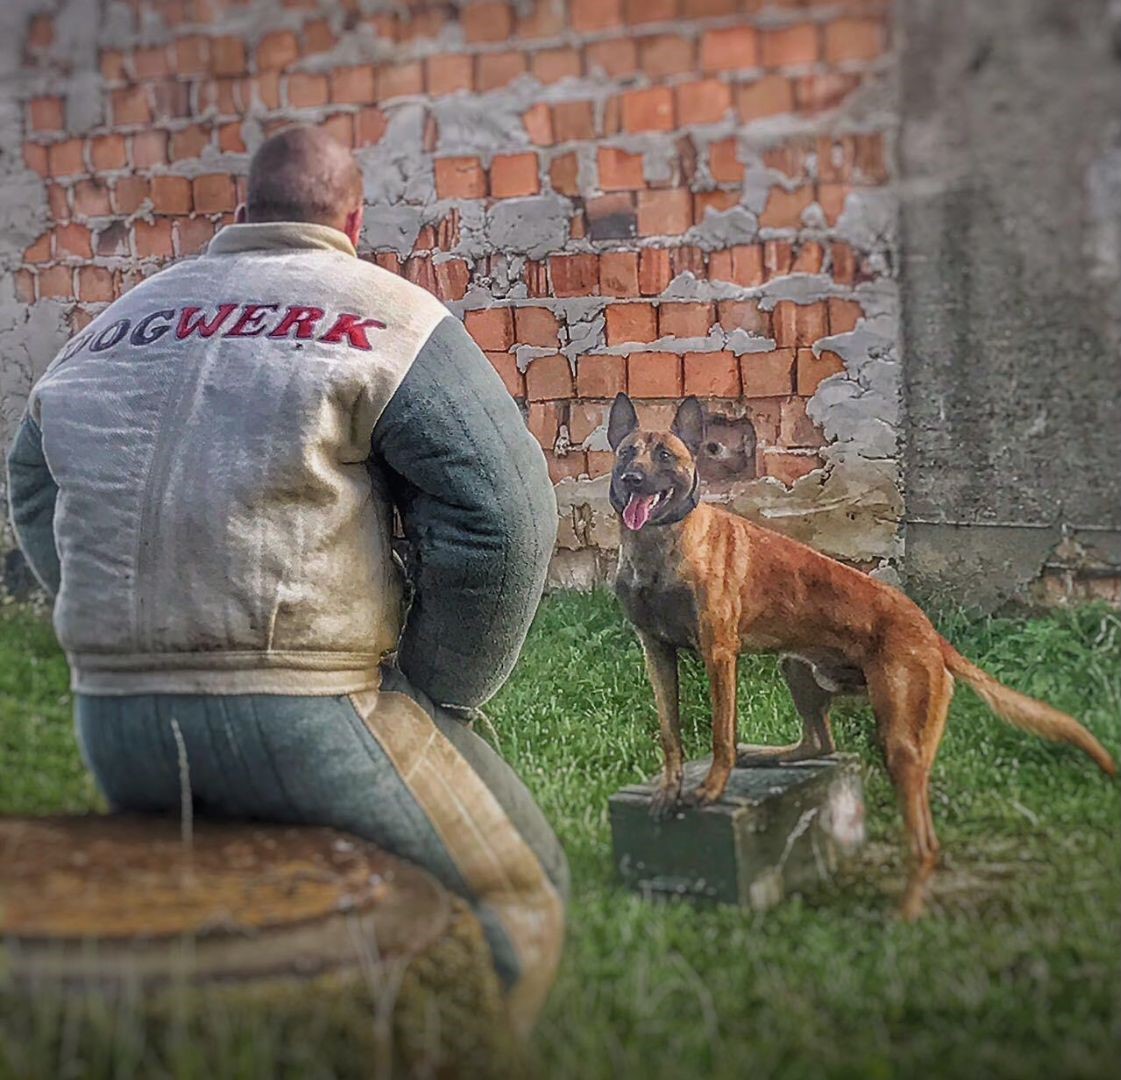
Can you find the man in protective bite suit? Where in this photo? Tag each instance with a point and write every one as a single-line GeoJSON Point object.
{"type": "Point", "coordinates": [205, 480]}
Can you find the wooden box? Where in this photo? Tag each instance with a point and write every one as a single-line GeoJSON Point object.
{"type": "Point", "coordinates": [776, 831]}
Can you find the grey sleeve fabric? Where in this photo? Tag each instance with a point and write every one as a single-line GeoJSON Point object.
{"type": "Point", "coordinates": [31, 501]}
{"type": "Point", "coordinates": [473, 491]}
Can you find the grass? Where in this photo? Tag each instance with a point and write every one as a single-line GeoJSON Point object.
{"type": "Point", "coordinates": [1015, 973]}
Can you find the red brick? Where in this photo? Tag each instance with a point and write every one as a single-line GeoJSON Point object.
{"type": "Point", "coordinates": [453, 276]}
{"type": "Point", "coordinates": [690, 320]}
{"type": "Point", "coordinates": [744, 315]}
{"type": "Point", "coordinates": [108, 152]}
{"type": "Point", "coordinates": [72, 241]}
{"type": "Point", "coordinates": [188, 142]}
{"type": "Point", "coordinates": [790, 46]}
{"type": "Point", "coordinates": [869, 161]}
{"type": "Point", "coordinates": [666, 54]}
{"type": "Point", "coordinates": [191, 55]}
{"type": "Point", "coordinates": [791, 467]}
{"type": "Point", "coordinates": [688, 259]}
{"type": "Point", "coordinates": [349, 86]}
{"type": "Point", "coordinates": [340, 127]}
{"type": "Point", "coordinates": [800, 324]}
{"type": "Point", "coordinates": [665, 212]}
{"type": "Point", "coordinates": [538, 123]}
{"type": "Point", "coordinates": [419, 271]}
{"type": "Point", "coordinates": [40, 32]}
{"type": "Point", "coordinates": [643, 11]}
{"type": "Point", "coordinates": [512, 175]}
{"type": "Point", "coordinates": [595, 14]}
{"type": "Point", "coordinates": [843, 315]}
{"type": "Point", "coordinates": [460, 178]}
{"type": "Point", "coordinates": [564, 172]}
{"type": "Point", "coordinates": [227, 56]}
{"type": "Point", "coordinates": [369, 126]}
{"type": "Point", "coordinates": [697, 9]}
{"type": "Point", "coordinates": [448, 73]}
{"type": "Point", "coordinates": [214, 192]}
{"type": "Point", "coordinates": [631, 322]}
{"type": "Point", "coordinates": [570, 466]}
{"type": "Point", "coordinates": [777, 258]}
{"type": "Point", "coordinates": [648, 110]}
{"type": "Point", "coordinates": [784, 208]}
{"type": "Point", "coordinates": [91, 199]}
{"type": "Point", "coordinates": [812, 370]}
{"type": "Point", "coordinates": [543, 422]}
{"type": "Point", "coordinates": [546, 19]}
{"type": "Point", "coordinates": [492, 328]}
{"type": "Point", "coordinates": [148, 148]}
{"type": "Point", "coordinates": [489, 21]}
{"type": "Point", "coordinates": [844, 263]}
{"type": "Point", "coordinates": [193, 234]}
{"type": "Point", "coordinates": [618, 273]}
{"type": "Point", "coordinates": [58, 202]}
{"type": "Point", "coordinates": [35, 158]}
{"type": "Point", "coordinates": [45, 114]}
{"type": "Point", "coordinates": [495, 70]}
{"type": "Point", "coordinates": [809, 258]}
{"type": "Point", "coordinates": [831, 198]}
{"type": "Point", "coordinates": [653, 271]}
{"type": "Point", "coordinates": [171, 194]}
{"type": "Point", "coordinates": [723, 164]}
{"type": "Point", "coordinates": [25, 287]}
{"type": "Point", "coordinates": [574, 120]}
{"type": "Point", "coordinates": [813, 93]}
{"type": "Point", "coordinates": [619, 170]}
{"type": "Point", "coordinates": [769, 374]}
{"type": "Point", "coordinates": [507, 368]}
{"type": "Point", "coordinates": [771, 95]}
{"type": "Point", "coordinates": [536, 326]}
{"type": "Point", "coordinates": [56, 283]}
{"type": "Point", "coordinates": [170, 100]}
{"type": "Point", "coordinates": [129, 194]}
{"type": "Point", "coordinates": [153, 240]}
{"type": "Point", "coordinates": [713, 374]}
{"type": "Point", "coordinates": [277, 51]}
{"type": "Point", "coordinates": [583, 419]}
{"type": "Point", "coordinates": [548, 378]}
{"type": "Point", "coordinates": [614, 58]}
{"type": "Point", "coordinates": [95, 285]}
{"type": "Point", "coordinates": [552, 65]}
{"type": "Point", "coordinates": [716, 201]}
{"type": "Point", "coordinates": [654, 375]}
{"type": "Point", "coordinates": [65, 158]}
{"type": "Point", "coordinates": [729, 50]}
{"type": "Point", "coordinates": [601, 376]}
{"type": "Point", "coordinates": [702, 102]}
{"type": "Point", "coordinates": [400, 80]}
{"type": "Point", "coordinates": [420, 23]}
{"type": "Point", "coordinates": [853, 39]}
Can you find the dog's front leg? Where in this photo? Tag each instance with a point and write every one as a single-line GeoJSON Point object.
{"type": "Point", "coordinates": [721, 665]}
{"type": "Point", "coordinates": [661, 666]}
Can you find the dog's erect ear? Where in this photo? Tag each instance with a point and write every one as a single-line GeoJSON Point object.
{"type": "Point", "coordinates": [689, 424]}
{"type": "Point", "coordinates": [622, 421]}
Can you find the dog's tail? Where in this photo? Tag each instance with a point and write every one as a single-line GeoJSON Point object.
{"type": "Point", "coordinates": [1025, 712]}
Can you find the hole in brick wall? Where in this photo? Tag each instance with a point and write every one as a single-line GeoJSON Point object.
{"type": "Point", "coordinates": [728, 450]}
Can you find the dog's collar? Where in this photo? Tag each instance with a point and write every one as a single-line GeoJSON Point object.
{"type": "Point", "coordinates": [689, 505]}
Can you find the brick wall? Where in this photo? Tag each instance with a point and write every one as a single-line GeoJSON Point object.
{"type": "Point", "coordinates": [664, 196]}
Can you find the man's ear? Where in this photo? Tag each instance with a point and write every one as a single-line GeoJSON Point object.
{"type": "Point", "coordinates": [353, 227]}
{"type": "Point", "coordinates": [241, 215]}
{"type": "Point", "coordinates": [622, 421]}
{"type": "Point", "coordinates": [689, 424]}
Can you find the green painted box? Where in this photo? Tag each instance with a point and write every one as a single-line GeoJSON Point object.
{"type": "Point", "coordinates": [776, 831]}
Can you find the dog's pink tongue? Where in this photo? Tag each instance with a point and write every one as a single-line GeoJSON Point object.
{"type": "Point", "coordinates": [637, 511]}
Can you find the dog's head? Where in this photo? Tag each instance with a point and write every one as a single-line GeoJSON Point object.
{"type": "Point", "coordinates": [654, 480]}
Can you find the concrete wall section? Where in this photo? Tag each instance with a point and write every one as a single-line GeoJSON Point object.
{"type": "Point", "coordinates": [1011, 237]}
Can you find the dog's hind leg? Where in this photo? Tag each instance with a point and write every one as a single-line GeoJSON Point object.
{"type": "Point", "coordinates": [911, 702]}
{"type": "Point", "coordinates": [812, 700]}
{"type": "Point", "coordinates": [661, 666]}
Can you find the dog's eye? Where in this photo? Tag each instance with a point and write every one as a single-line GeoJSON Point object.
{"type": "Point", "coordinates": [664, 456]}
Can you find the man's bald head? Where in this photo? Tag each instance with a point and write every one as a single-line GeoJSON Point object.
{"type": "Point", "coordinates": [302, 174]}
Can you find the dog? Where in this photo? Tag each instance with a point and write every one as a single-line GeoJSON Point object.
{"type": "Point", "coordinates": [692, 575]}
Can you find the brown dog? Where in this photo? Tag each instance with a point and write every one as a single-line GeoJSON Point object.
{"type": "Point", "coordinates": [692, 575]}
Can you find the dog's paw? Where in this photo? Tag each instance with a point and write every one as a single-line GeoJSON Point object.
{"type": "Point", "coordinates": [702, 795]}
{"type": "Point", "coordinates": [665, 802]}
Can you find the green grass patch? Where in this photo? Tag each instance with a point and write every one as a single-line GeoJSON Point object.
{"type": "Point", "coordinates": [1014, 974]}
